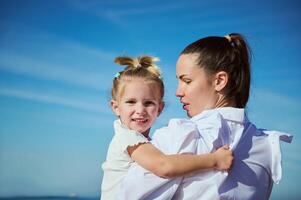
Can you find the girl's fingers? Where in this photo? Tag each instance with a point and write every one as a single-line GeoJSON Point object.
{"type": "Point", "coordinates": [226, 146]}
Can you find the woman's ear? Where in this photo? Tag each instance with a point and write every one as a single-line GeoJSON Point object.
{"type": "Point", "coordinates": [115, 107]}
{"type": "Point", "coordinates": [221, 80]}
{"type": "Point", "coordinates": [161, 107]}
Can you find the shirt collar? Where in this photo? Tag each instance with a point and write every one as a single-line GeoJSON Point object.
{"type": "Point", "coordinates": [122, 128]}
{"type": "Point", "coordinates": [228, 113]}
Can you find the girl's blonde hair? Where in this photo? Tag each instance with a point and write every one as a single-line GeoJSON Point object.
{"type": "Point", "coordinates": [143, 67]}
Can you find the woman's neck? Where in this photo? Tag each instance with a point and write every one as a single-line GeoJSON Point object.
{"type": "Point", "coordinates": [223, 102]}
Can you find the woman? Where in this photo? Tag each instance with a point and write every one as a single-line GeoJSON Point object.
{"type": "Point", "coordinates": [214, 83]}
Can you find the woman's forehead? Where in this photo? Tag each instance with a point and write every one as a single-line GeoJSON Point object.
{"type": "Point", "coordinates": [187, 65]}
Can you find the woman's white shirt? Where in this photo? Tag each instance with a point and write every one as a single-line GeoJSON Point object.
{"type": "Point", "coordinates": [257, 159]}
{"type": "Point", "coordinates": [118, 160]}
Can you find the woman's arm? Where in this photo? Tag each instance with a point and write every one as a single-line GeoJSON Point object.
{"type": "Point", "coordinates": [168, 166]}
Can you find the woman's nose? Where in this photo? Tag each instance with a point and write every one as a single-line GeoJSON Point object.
{"type": "Point", "coordinates": [179, 91]}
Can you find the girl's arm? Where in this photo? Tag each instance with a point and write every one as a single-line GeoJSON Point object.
{"type": "Point", "coordinates": [168, 166]}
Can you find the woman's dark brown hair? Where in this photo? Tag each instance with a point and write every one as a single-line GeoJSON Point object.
{"type": "Point", "coordinates": [230, 54]}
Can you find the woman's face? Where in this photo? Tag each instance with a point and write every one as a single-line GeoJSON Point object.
{"type": "Point", "coordinates": [195, 88]}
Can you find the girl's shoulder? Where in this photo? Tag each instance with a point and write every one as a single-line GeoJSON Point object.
{"type": "Point", "coordinates": [125, 137]}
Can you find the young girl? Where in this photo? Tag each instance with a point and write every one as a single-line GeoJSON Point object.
{"type": "Point", "coordinates": [137, 100]}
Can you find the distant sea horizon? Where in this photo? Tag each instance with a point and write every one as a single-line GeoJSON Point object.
{"type": "Point", "coordinates": [48, 198]}
{"type": "Point", "coordinates": [91, 198]}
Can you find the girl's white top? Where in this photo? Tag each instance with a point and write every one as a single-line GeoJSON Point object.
{"type": "Point", "coordinates": [118, 160]}
{"type": "Point", "coordinates": [257, 160]}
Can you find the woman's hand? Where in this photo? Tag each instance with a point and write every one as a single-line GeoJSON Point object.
{"type": "Point", "coordinates": [223, 158]}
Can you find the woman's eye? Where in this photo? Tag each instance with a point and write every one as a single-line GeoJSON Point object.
{"type": "Point", "coordinates": [187, 81]}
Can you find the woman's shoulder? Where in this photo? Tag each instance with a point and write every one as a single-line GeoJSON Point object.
{"type": "Point", "coordinates": [171, 137]}
{"type": "Point", "coordinates": [175, 125]}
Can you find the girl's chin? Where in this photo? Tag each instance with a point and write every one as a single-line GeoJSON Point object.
{"type": "Point", "coordinates": [141, 130]}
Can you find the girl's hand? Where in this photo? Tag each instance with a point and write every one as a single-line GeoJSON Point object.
{"type": "Point", "coordinates": [223, 158]}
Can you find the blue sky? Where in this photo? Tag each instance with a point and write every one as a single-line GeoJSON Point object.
{"type": "Point", "coordinates": [56, 69]}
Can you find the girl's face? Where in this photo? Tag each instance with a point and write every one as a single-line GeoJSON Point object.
{"type": "Point", "coordinates": [139, 105]}
{"type": "Point", "coordinates": [195, 89]}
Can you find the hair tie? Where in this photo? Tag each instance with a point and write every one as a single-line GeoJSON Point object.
{"type": "Point", "coordinates": [228, 37]}
{"type": "Point", "coordinates": [117, 75]}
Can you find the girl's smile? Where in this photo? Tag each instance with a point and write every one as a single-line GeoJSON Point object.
{"type": "Point", "coordinates": [138, 106]}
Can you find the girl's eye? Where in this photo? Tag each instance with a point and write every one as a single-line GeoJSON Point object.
{"type": "Point", "coordinates": [149, 103]}
{"type": "Point", "coordinates": [130, 101]}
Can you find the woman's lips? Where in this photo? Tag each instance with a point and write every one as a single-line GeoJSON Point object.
{"type": "Point", "coordinates": [185, 106]}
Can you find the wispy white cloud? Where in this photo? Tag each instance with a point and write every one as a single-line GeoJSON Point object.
{"type": "Point", "coordinates": [85, 50]}
{"type": "Point", "coordinates": [189, 14]}
{"type": "Point", "coordinates": [55, 64]}
{"type": "Point", "coordinates": [41, 97]}
{"type": "Point", "coordinates": [275, 100]}
{"type": "Point", "coordinates": [48, 57]}
{"type": "Point", "coordinates": [118, 12]}
{"type": "Point", "coordinates": [126, 8]}
{"type": "Point", "coordinates": [46, 71]}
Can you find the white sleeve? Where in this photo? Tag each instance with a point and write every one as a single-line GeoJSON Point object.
{"type": "Point", "coordinates": [131, 138]}
{"type": "Point", "coordinates": [142, 184]}
{"type": "Point", "coordinates": [274, 138]}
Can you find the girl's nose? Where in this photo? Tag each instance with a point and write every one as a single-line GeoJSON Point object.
{"type": "Point", "coordinates": [140, 109]}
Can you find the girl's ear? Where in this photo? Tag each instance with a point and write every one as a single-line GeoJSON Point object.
{"type": "Point", "coordinates": [115, 107]}
{"type": "Point", "coordinates": [221, 80]}
{"type": "Point", "coordinates": [161, 107]}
